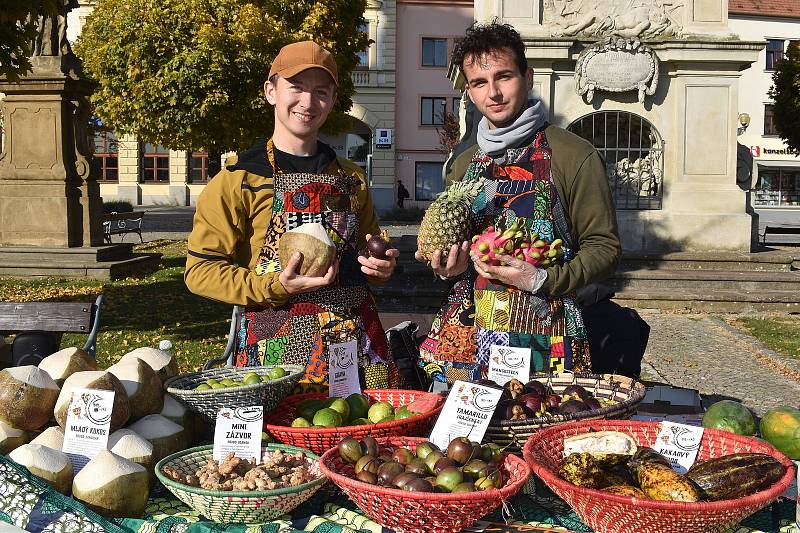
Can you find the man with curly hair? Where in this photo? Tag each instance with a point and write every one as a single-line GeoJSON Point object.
{"type": "Point", "coordinates": [543, 179]}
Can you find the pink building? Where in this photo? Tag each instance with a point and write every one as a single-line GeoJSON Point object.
{"type": "Point", "coordinates": [426, 34]}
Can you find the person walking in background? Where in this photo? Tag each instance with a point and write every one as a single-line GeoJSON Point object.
{"type": "Point", "coordinates": [402, 194]}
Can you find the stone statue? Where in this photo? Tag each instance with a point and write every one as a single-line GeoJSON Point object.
{"type": "Point", "coordinates": [51, 35]}
{"type": "Point", "coordinates": [642, 19]}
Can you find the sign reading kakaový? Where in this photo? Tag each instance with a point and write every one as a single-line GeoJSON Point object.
{"type": "Point", "coordinates": [88, 422]}
{"type": "Point", "coordinates": [466, 413]}
{"type": "Point", "coordinates": [239, 431]}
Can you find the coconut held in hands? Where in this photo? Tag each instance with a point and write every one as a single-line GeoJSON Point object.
{"type": "Point", "coordinates": [94, 379]}
{"type": "Point", "coordinates": [51, 465]}
{"type": "Point", "coordinates": [113, 486]}
{"type": "Point", "coordinates": [142, 385]}
{"type": "Point", "coordinates": [66, 362]}
{"type": "Point", "coordinates": [27, 397]}
{"type": "Point", "coordinates": [11, 438]}
{"type": "Point", "coordinates": [313, 242]}
{"type": "Point", "coordinates": [159, 360]}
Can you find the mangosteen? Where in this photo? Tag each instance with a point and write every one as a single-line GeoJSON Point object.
{"type": "Point", "coordinates": [532, 401]}
{"type": "Point", "coordinates": [593, 403]}
{"type": "Point", "coordinates": [461, 450]}
{"type": "Point", "coordinates": [516, 410]}
{"type": "Point", "coordinates": [537, 387]}
{"type": "Point", "coordinates": [378, 245]}
{"type": "Point", "coordinates": [576, 391]}
{"type": "Point", "coordinates": [489, 383]}
{"type": "Point", "coordinates": [515, 387]}
{"type": "Point", "coordinates": [570, 407]}
{"type": "Point", "coordinates": [552, 401]}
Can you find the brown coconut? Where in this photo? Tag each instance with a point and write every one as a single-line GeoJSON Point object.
{"type": "Point", "coordinates": [52, 437]}
{"type": "Point", "coordinates": [166, 436]}
{"type": "Point", "coordinates": [113, 486]}
{"type": "Point", "coordinates": [313, 242]}
{"type": "Point", "coordinates": [11, 438]}
{"type": "Point", "coordinates": [51, 465]}
{"type": "Point", "coordinates": [142, 385]}
{"type": "Point", "coordinates": [27, 397]}
{"type": "Point", "coordinates": [159, 360]}
{"type": "Point", "coordinates": [94, 379]}
{"type": "Point", "coordinates": [66, 362]}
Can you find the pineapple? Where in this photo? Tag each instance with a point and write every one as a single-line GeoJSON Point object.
{"type": "Point", "coordinates": [447, 219]}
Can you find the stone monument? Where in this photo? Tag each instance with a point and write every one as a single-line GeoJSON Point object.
{"type": "Point", "coordinates": [50, 205]}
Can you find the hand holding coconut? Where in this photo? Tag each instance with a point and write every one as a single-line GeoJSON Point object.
{"type": "Point", "coordinates": [308, 259]}
{"type": "Point", "coordinates": [381, 258]}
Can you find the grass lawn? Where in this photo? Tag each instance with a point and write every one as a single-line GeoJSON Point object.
{"type": "Point", "coordinates": [140, 311]}
{"type": "Point", "coordinates": [780, 332]}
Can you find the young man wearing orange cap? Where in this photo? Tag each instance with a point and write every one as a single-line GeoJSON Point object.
{"type": "Point", "coordinates": [280, 184]}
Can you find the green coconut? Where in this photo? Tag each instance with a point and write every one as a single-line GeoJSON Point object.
{"type": "Point", "coordinates": [142, 385]}
{"type": "Point", "coordinates": [166, 436]}
{"type": "Point", "coordinates": [94, 379]}
{"type": "Point", "coordinates": [27, 397]}
{"type": "Point", "coordinates": [131, 446]}
{"type": "Point", "coordinates": [180, 414]}
{"type": "Point", "coordinates": [51, 465]}
{"type": "Point", "coordinates": [52, 437]}
{"type": "Point", "coordinates": [11, 438]}
{"type": "Point", "coordinates": [113, 486]}
{"type": "Point", "coordinates": [66, 362]}
{"type": "Point", "coordinates": [313, 242]}
{"type": "Point", "coordinates": [159, 360]}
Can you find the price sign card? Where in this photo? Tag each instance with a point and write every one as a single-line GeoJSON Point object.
{"type": "Point", "coordinates": [343, 370]}
{"type": "Point", "coordinates": [679, 443]}
{"type": "Point", "coordinates": [507, 363]}
{"type": "Point", "coordinates": [466, 413]}
{"type": "Point", "coordinates": [88, 421]}
{"type": "Point", "coordinates": [238, 431]}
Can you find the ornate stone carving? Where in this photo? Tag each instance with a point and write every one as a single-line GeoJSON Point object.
{"type": "Point", "coordinates": [51, 38]}
{"type": "Point", "coordinates": [643, 19]}
{"type": "Point", "coordinates": [617, 65]}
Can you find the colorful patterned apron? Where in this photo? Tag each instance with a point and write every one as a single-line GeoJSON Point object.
{"type": "Point", "coordinates": [300, 331]}
{"type": "Point", "coordinates": [480, 313]}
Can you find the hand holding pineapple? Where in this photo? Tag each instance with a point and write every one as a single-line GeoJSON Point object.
{"type": "Point", "coordinates": [454, 264]}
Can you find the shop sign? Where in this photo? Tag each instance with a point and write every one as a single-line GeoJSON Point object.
{"type": "Point", "coordinates": [239, 431]}
{"type": "Point", "coordinates": [758, 151]}
{"type": "Point", "coordinates": [466, 413]}
{"type": "Point", "coordinates": [383, 138]}
{"type": "Point", "coordinates": [508, 362]}
{"type": "Point", "coordinates": [679, 443]}
{"type": "Point", "coordinates": [87, 428]}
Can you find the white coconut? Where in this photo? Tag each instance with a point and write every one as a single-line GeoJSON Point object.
{"type": "Point", "coordinates": [51, 465]}
{"type": "Point", "coordinates": [313, 242]}
{"type": "Point", "coordinates": [166, 436]}
{"type": "Point", "coordinates": [52, 437]}
{"type": "Point", "coordinates": [27, 397]}
{"type": "Point", "coordinates": [91, 379]}
{"type": "Point", "coordinates": [180, 414]}
{"type": "Point", "coordinates": [11, 437]}
{"type": "Point", "coordinates": [131, 446]}
{"type": "Point", "coordinates": [142, 385]}
{"type": "Point", "coordinates": [159, 360]}
{"type": "Point", "coordinates": [66, 362]}
{"type": "Point", "coordinates": [112, 486]}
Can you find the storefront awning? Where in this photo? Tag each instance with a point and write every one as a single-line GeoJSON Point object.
{"type": "Point", "coordinates": [780, 163]}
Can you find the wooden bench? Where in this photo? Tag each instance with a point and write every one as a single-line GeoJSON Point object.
{"type": "Point", "coordinates": [779, 230]}
{"type": "Point", "coordinates": [115, 223]}
{"type": "Point", "coordinates": [56, 317]}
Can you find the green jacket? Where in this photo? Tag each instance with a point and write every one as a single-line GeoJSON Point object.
{"type": "Point", "coordinates": [580, 177]}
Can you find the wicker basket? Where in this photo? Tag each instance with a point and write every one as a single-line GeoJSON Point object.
{"type": "Point", "coordinates": [250, 507]}
{"type": "Point", "coordinates": [422, 512]}
{"type": "Point", "coordinates": [208, 402]}
{"type": "Point", "coordinates": [318, 440]}
{"type": "Point", "coordinates": [610, 513]}
{"type": "Point", "coordinates": [627, 392]}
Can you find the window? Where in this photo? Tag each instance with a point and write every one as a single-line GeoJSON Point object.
{"type": "Point", "coordinates": [634, 154]}
{"type": "Point", "coordinates": [198, 167]}
{"type": "Point", "coordinates": [456, 106]}
{"type": "Point", "coordinates": [434, 52]}
{"type": "Point", "coordinates": [106, 154]}
{"type": "Point", "coordinates": [769, 120]}
{"type": "Point", "coordinates": [363, 55]}
{"type": "Point", "coordinates": [774, 53]}
{"type": "Point", "coordinates": [429, 180]}
{"type": "Point", "coordinates": [154, 163]}
{"type": "Point", "coordinates": [777, 186]}
{"type": "Point", "coordinates": [432, 111]}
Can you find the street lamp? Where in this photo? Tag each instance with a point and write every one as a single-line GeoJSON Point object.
{"type": "Point", "coordinates": [744, 121]}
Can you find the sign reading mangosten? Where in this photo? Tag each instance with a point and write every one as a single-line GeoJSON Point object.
{"type": "Point", "coordinates": [239, 431]}
{"type": "Point", "coordinates": [466, 413]}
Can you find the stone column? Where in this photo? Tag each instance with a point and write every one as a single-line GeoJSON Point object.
{"type": "Point", "coordinates": [49, 195]}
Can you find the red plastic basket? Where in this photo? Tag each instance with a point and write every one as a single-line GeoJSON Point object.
{"type": "Point", "coordinates": [610, 513]}
{"type": "Point", "coordinates": [318, 440]}
{"type": "Point", "coordinates": [422, 512]}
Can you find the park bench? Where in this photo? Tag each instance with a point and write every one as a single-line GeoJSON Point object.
{"type": "Point", "coordinates": [779, 230]}
{"type": "Point", "coordinates": [115, 223]}
{"type": "Point", "coordinates": [54, 317]}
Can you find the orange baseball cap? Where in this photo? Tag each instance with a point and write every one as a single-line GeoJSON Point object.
{"type": "Point", "coordinates": [298, 57]}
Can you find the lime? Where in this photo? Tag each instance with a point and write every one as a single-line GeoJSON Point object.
{"type": "Point", "coordinates": [203, 386]}
{"type": "Point", "coordinates": [266, 437]}
{"type": "Point", "coordinates": [327, 402]}
{"type": "Point", "coordinates": [380, 411]}
{"type": "Point", "coordinates": [251, 379]}
{"type": "Point", "coordinates": [211, 382]}
{"type": "Point", "coordinates": [228, 382]}
{"type": "Point", "coordinates": [277, 373]}
{"type": "Point", "coordinates": [301, 422]}
{"type": "Point", "coordinates": [264, 378]}
{"type": "Point", "coordinates": [328, 418]}
{"type": "Point", "coordinates": [218, 386]}
{"type": "Point", "coordinates": [402, 413]}
{"type": "Point", "coordinates": [307, 408]}
{"type": "Point", "coordinates": [341, 406]}
{"type": "Point", "coordinates": [360, 422]}
{"type": "Point", "coordinates": [389, 418]}
{"type": "Point", "coordinates": [359, 405]}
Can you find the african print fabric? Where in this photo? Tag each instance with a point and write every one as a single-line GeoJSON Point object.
{"type": "Point", "coordinates": [301, 331]}
{"type": "Point", "coordinates": [480, 313]}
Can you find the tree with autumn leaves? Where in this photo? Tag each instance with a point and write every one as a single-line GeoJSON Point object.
{"type": "Point", "coordinates": [785, 92]}
{"type": "Point", "coordinates": [189, 74]}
